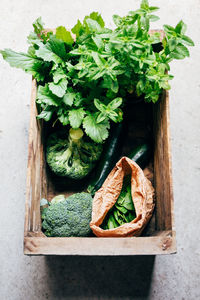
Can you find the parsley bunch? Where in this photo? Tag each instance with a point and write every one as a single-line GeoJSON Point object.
{"type": "Point", "coordinates": [86, 81]}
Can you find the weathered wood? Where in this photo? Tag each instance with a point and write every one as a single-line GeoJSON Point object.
{"type": "Point", "coordinates": [164, 243]}
{"type": "Point", "coordinates": [36, 177]}
{"type": "Point", "coordinates": [162, 166]}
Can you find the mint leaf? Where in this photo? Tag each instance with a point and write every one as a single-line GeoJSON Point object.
{"type": "Point", "coordinates": [98, 132]}
{"type": "Point", "coordinates": [188, 41]}
{"type": "Point", "coordinates": [59, 88]}
{"type": "Point", "coordinates": [76, 117]}
{"type": "Point", "coordinates": [64, 35]}
{"type": "Point", "coordinates": [181, 27]}
{"type": "Point", "coordinates": [93, 25]}
{"type": "Point", "coordinates": [98, 41]}
{"type": "Point", "coordinates": [114, 104]}
{"type": "Point", "coordinates": [100, 106]}
{"type": "Point", "coordinates": [182, 50]}
{"type": "Point", "coordinates": [101, 117]}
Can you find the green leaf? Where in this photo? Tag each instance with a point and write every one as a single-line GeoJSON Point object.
{"type": "Point", "coordinates": [68, 98]}
{"type": "Point", "coordinates": [45, 96]}
{"type": "Point", "coordinates": [121, 208]}
{"type": "Point", "coordinates": [99, 60]}
{"type": "Point", "coordinates": [112, 223]}
{"type": "Point", "coordinates": [153, 18]}
{"type": "Point", "coordinates": [58, 74]}
{"type": "Point", "coordinates": [188, 41]}
{"type": "Point", "coordinates": [117, 20]}
{"type": "Point", "coordinates": [144, 4]}
{"type": "Point", "coordinates": [101, 117]}
{"type": "Point", "coordinates": [114, 104]}
{"type": "Point", "coordinates": [53, 50]}
{"type": "Point", "coordinates": [176, 55]}
{"type": "Point", "coordinates": [76, 117]}
{"type": "Point", "coordinates": [93, 25]}
{"type": "Point", "coordinates": [78, 29]}
{"type": "Point", "coordinates": [113, 116]}
{"type": "Point", "coordinates": [57, 46]}
{"type": "Point", "coordinates": [153, 8]}
{"type": "Point", "coordinates": [32, 65]}
{"type": "Point", "coordinates": [46, 114]}
{"type": "Point", "coordinates": [38, 25]}
{"type": "Point", "coordinates": [47, 55]}
{"type": "Point", "coordinates": [97, 17]}
{"type": "Point", "coordinates": [98, 132]}
{"type": "Point", "coordinates": [99, 105]}
{"type": "Point", "coordinates": [114, 86]}
{"type": "Point", "coordinates": [168, 28]}
{"type": "Point", "coordinates": [182, 50]}
{"type": "Point", "coordinates": [63, 116]}
{"type": "Point", "coordinates": [98, 41]}
{"type": "Point", "coordinates": [181, 27]}
{"type": "Point", "coordinates": [59, 88]}
{"type": "Point", "coordinates": [172, 44]}
{"type": "Point", "coordinates": [64, 35]}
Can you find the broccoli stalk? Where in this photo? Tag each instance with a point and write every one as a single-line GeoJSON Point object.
{"type": "Point", "coordinates": [73, 156]}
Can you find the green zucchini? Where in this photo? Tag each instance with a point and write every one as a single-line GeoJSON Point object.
{"type": "Point", "coordinates": [141, 154]}
{"type": "Point", "coordinates": [111, 154]}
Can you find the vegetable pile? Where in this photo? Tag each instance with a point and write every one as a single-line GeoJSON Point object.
{"type": "Point", "coordinates": [86, 77]}
{"type": "Point", "coordinates": [85, 82]}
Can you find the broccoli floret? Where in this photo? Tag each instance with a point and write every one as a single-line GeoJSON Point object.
{"type": "Point", "coordinates": [69, 217]}
{"type": "Point", "coordinates": [73, 156]}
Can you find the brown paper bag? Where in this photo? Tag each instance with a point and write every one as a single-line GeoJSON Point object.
{"type": "Point", "coordinates": [142, 194]}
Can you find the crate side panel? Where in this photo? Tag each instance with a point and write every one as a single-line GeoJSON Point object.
{"type": "Point", "coordinates": [162, 165]}
{"type": "Point", "coordinates": [36, 177]}
{"type": "Point", "coordinates": [161, 244]}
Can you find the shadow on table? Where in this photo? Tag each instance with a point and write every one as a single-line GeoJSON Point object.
{"type": "Point", "coordinates": [75, 276]}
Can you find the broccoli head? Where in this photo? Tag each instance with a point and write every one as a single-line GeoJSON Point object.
{"type": "Point", "coordinates": [69, 216]}
{"type": "Point", "coordinates": [73, 156]}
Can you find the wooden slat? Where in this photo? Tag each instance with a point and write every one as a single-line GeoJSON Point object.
{"type": "Point", "coordinates": [162, 166]}
{"type": "Point", "coordinates": [162, 244]}
{"type": "Point", "coordinates": [36, 179]}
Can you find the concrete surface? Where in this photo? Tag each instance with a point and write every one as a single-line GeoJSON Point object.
{"type": "Point", "coordinates": [173, 277]}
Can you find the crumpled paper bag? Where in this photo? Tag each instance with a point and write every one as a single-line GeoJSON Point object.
{"type": "Point", "coordinates": [142, 194]}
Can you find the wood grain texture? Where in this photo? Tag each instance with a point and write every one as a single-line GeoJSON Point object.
{"type": "Point", "coordinates": [163, 243]}
{"type": "Point", "coordinates": [36, 177]}
{"type": "Point", "coordinates": [162, 165]}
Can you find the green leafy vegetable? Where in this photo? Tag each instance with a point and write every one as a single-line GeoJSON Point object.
{"type": "Point", "coordinates": [123, 211]}
{"type": "Point", "coordinates": [87, 81]}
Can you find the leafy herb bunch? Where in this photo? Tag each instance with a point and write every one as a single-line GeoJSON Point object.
{"type": "Point", "coordinates": [85, 81]}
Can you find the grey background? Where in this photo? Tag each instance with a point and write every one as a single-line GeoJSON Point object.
{"type": "Point", "coordinates": [161, 277]}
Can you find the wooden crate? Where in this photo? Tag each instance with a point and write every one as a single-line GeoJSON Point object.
{"type": "Point", "coordinates": [159, 239]}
